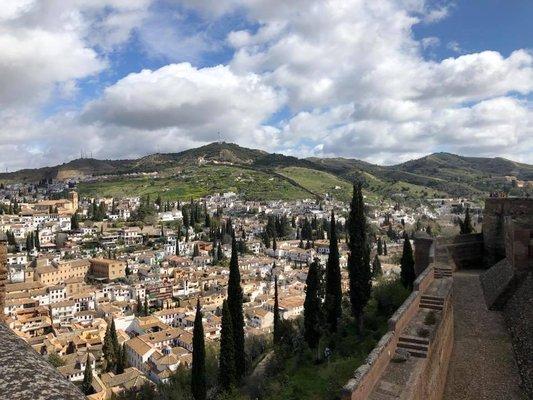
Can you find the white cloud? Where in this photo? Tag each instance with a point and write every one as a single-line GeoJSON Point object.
{"type": "Point", "coordinates": [349, 75]}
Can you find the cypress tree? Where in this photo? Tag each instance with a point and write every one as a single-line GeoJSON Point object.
{"type": "Point", "coordinates": [466, 225]}
{"type": "Point", "coordinates": [407, 264]}
{"type": "Point", "coordinates": [108, 349]}
{"type": "Point", "coordinates": [121, 360]}
{"type": "Point", "coordinates": [146, 310]}
{"type": "Point", "coordinates": [312, 306]}
{"type": "Point", "coordinates": [380, 247]}
{"type": "Point", "coordinates": [198, 379]}
{"type": "Point", "coordinates": [274, 243]}
{"type": "Point", "coordinates": [384, 248]}
{"type": "Point", "coordinates": [74, 223]}
{"type": "Point", "coordinates": [277, 319]}
{"type": "Point", "coordinates": [333, 303]}
{"type": "Point", "coordinates": [358, 257]}
{"type": "Point", "coordinates": [376, 267]}
{"type": "Point", "coordinates": [86, 385]}
{"type": "Point", "coordinates": [226, 362]}
{"type": "Point", "coordinates": [116, 344]}
{"type": "Point", "coordinates": [235, 308]}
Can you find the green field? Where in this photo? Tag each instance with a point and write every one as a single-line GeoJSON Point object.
{"type": "Point", "coordinates": [197, 182]}
{"type": "Point", "coordinates": [319, 182]}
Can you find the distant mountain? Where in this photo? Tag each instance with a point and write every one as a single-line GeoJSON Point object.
{"type": "Point", "coordinates": [435, 174]}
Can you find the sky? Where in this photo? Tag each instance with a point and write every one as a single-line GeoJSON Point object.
{"type": "Point", "coordinates": [384, 81]}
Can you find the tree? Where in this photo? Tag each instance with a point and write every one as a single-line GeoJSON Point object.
{"type": "Point", "coordinates": [139, 306]}
{"type": "Point", "coordinates": [384, 248]}
{"type": "Point", "coordinates": [108, 349]}
{"type": "Point", "coordinates": [86, 385]}
{"type": "Point", "coordinates": [407, 264]}
{"type": "Point", "coordinates": [466, 224]}
{"type": "Point", "coordinates": [198, 378]}
{"type": "Point", "coordinates": [358, 257]}
{"type": "Point", "coordinates": [146, 309]}
{"type": "Point", "coordinates": [333, 303]}
{"type": "Point", "coordinates": [376, 267]}
{"type": "Point", "coordinates": [55, 360]}
{"type": "Point", "coordinates": [380, 247]}
{"type": "Point", "coordinates": [274, 243]}
{"type": "Point", "coordinates": [312, 306]}
{"type": "Point", "coordinates": [114, 340]}
{"type": "Point", "coordinates": [74, 223]}
{"type": "Point", "coordinates": [121, 360]}
{"type": "Point", "coordinates": [277, 319]}
{"type": "Point", "coordinates": [235, 299]}
{"type": "Point", "coordinates": [226, 372]}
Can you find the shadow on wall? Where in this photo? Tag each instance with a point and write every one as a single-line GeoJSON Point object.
{"type": "Point", "coordinates": [467, 251]}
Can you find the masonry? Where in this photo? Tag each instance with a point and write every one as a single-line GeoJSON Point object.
{"type": "Point", "coordinates": [426, 347]}
{"type": "Point", "coordinates": [473, 351]}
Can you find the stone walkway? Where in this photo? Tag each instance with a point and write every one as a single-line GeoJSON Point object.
{"type": "Point", "coordinates": [482, 366]}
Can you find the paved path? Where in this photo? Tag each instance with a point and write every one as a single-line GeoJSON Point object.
{"type": "Point", "coordinates": [482, 366]}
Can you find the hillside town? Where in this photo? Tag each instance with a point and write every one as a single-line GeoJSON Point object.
{"type": "Point", "coordinates": [78, 269]}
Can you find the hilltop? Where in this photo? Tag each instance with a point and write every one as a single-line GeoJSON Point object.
{"type": "Point", "coordinates": [228, 166]}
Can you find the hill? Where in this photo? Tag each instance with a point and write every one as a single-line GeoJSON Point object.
{"type": "Point", "coordinates": [228, 166]}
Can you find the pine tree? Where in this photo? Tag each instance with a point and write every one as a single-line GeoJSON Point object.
{"type": "Point", "coordinates": [277, 319]}
{"type": "Point", "coordinates": [235, 299]}
{"type": "Point", "coordinates": [407, 264]}
{"type": "Point", "coordinates": [358, 257]}
{"type": "Point", "coordinates": [86, 385]}
{"type": "Point", "coordinates": [226, 372]}
{"type": "Point", "coordinates": [376, 267]}
{"type": "Point", "coordinates": [333, 303]}
{"type": "Point", "coordinates": [312, 306]}
{"type": "Point", "coordinates": [198, 379]}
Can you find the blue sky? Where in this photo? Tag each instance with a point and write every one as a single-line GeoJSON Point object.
{"type": "Point", "coordinates": [382, 80]}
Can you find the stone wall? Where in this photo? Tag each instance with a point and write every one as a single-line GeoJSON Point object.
{"type": "Point", "coordinates": [366, 376]}
{"type": "Point", "coordinates": [496, 216]}
{"type": "Point", "coordinates": [467, 251]}
{"type": "Point", "coordinates": [26, 375]}
{"type": "Point", "coordinates": [430, 382]}
{"type": "Point", "coordinates": [495, 281]}
{"type": "Point", "coordinates": [518, 314]}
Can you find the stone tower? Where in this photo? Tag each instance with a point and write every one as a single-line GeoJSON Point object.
{"type": "Point", "coordinates": [73, 197]}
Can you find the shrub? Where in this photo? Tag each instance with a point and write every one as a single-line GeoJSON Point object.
{"type": "Point", "coordinates": [422, 332]}
{"type": "Point", "coordinates": [389, 295]}
{"type": "Point", "coordinates": [430, 318]}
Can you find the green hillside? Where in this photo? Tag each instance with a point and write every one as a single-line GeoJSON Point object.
{"type": "Point", "coordinates": [199, 181]}
{"type": "Point", "coordinates": [269, 175]}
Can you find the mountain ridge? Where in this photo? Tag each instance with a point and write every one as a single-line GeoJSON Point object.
{"type": "Point", "coordinates": [442, 172]}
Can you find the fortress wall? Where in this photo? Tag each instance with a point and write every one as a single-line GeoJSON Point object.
{"type": "Point", "coordinates": [467, 251]}
{"type": "Point", "coordinates": [368, 374]}
{"type": "Point", "coordinates": [430, 382]}
{"type": "Point", "coordinates": [496, 219]}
